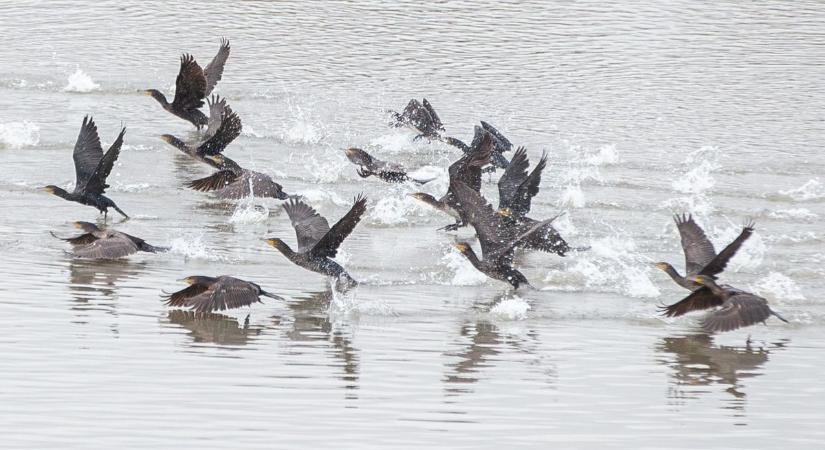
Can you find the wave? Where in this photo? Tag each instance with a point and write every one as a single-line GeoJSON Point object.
{"type": "Point", "coordinates": [79, 81]}
{"type": "Point", "coordinates": [19, 134]}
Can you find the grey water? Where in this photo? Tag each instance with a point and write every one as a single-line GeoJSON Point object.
{"type": "Point", "coordinates": [645, 110]}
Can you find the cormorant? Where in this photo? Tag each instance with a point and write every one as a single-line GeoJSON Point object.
{"type": "Point", "coordinates": [497, 242]}
{"type": "Point", "coordinates": [224, 127]}
{"type": "Point", "coordinates": [207, 294]}
{"type": "Point", "coordinates": [500, 145]}
{"type": "Point", "coordinates": [232, 181]}
{"type": "Point", "coordinates": [369, 165]}
{"type": "Point", "coordinates": [317, 242]}
{"type": "Point", "coordinates": [92, 167]}
{"type": "Point", "coordinates": [700, 256]}
{"type": "Point", "coordinates": [421, 117]}
{"type": "Point", "coordinates": [97, 243]}
{"type": "Point", "coordinates": [466, 170]}
{"type": "Point", "coordinates": [193, 85]}
{"type": "Point", "coordinates": [737, 308]}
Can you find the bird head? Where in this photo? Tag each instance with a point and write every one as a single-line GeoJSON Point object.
{"type": "Point", "coordinates": [218, 159]}
{"type": "Point", "coordinates": [155, 94]}
{"type": "Point", "coordinates": [422, 197]}
{"type": "Point", "coordinates": [51, 189]}
{"type": "Point", "coordinates": [85, 226]}
{"type": "Point", "coordinates": [462, 247]}
{"type": "Point", "coordinates": [357, 156]}
{"type": "Point", "coordinates": [663, 266]}
{"type": "Point", "coordinates": [278, 244]}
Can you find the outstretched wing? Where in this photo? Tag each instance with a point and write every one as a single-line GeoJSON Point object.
{"type": "Point", "coordinates": [480, 214]}
{"type": "Point", "coordinates": [214, 70]}
{"type": "Point", "coordinates": [217, 180]}
{"type": "Point", "coordinates": [97, 182]}
{"type": "Point", "coordinates": [468, 168]}
{"type": "Point", "coordinates": [229, 129]}
{"type": "Point", "coordinates": [310, 227]}
{"type": "Point", "coordinates": [718, 264]}
{"type": "Point", "coordinates": [698, 249]}
{"type": "Point", "coordinates": [503, 144]}
{"type": "Point", "coordinates": [433, 116]}
{"type": "Point", "coordinates": [328, 245]}
{"type": "Point", "coordinates": [697, 300]}
{"type": "Point", "coordinates": [87, 153]}
{"type": "Point", "coordinates": [116, 245]}
{"type": "Point", "coordinates": [522, 201]}
{"type": "Point", "coordinates": [252, 184]}
{"type": "Point", "coordinates": [190, 86]}
{"type": "Point", "coordinates": [216, 108]}
{"type": "Point", "coordinates": [738, 311]}
{"type": "Point", "coordinates": [226, 293]}
{"type": "Point", "coordinates": [515, 174]}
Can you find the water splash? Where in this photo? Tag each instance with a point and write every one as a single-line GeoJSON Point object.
{"type": "Point", "coordinates": [812, 190]}
{"type": "Point", "coordinates": [192, 246]}
{"type": "Point", "coordinates": [79, 81]}
{"type": "Point", "coordinates": [19, 134]}
{"type": "Point", "coordinates": [514, 308]}
{"type": "Point", "coordinates": [247, 212]}
{"type": "Point", "coordinates": [779, 287]}
{"type": "Point", "coordinates": [464, 274]}
{"type": "Point", "coordinates": [696, 182]}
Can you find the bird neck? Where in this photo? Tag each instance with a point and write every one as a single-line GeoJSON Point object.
{"type": "Point", "coordinates": [286, 250]}
{"type": "Point", "coordinates": [62, 193]}
{"type": "Point", "coordinates": [680, 280]}
{"type": "Point", "coordinates": [157, 95]}
{"type": "Point", "coordinates": [177, 143]}
{"type": "Point", "coordinates": [471, 255]}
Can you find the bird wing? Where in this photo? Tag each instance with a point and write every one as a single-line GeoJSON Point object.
{"type": "Point", "coordinates": [83, 239]}
{"type": "Point", "coordinates": [328, 245]}
{"type": "Point", "coordinates": [515, 174]}
{"type": "Point", "coordinates": [190, 86]}
{"type": "Point", "coordinates": [226, 293]}
{"type": "Point", "coordinates": [261, 186]}
{"type": "Point", "coordinates": [718, 264]}
{"type": "Point", "coordinates": [217, 180]}
{"type": "Point", "coordinates": [214, 70]}
{"type": "Point", "coordinates": [181, 298]}
{"type": "Point", "coordinates": [503, 144]}
{"type": "Point", "coordinates": [480, 214]}
{"type": "Point", "coordinates": [411, 109]}
{"type": "Point", "coordinates": [216, 108]}
{"type": "Point", "coordinates": [740, 310]}
{"type": "Point", "coordinates": [699, 299]}
{"type": "Point", "coordinates": [546, 239]}
{"type": "Point", "coordinates": [468, 168]}
{"type": "Point", "coordinates": [87, 152]}
{"type": "Point", "coordinates": [433, 116]}
{"type": "Point", "coordinates": [310, 227]}
{"type": "Point", "coordinates": [114, 245]}
{"type": "Point", "coordinates": [522, 201]}
{"type": "Point", "coordinates": [697, 247]}
{"type": "Point", "coordinates": [96, 183]}
{"type": "Point", "coordinates": [229, 129]}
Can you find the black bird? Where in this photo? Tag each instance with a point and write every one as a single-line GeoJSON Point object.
{"type": "Point", "coordinates": [232, 181]}
{"type": "Point", "coordinates": [192, 86]}
{"type": "Point", "coordinates": [700, 256]}
{"type": "Point", "coordinates": [224, 127]}
{"type": "Point", "coordinates": [207, 294]}
{"type": "Point", "coordinates": [91, 169]}
{"type": "Point", "coordinates": [97, 243]}
{"type": "Point", "coordinates": [421, 117]}
{"type": "Point", "coordinates": [516, 188]}
{"type": "Point", "coordinates": [317, 242]}
{"type": "Point", "coordinates": [500, 145]}
{"type": "Point", "coordinates": [497, 242]}
{"type": "Point", "coordinates": [387, 171]}
{"type": "Point", "coordinates": [737, 308]}
{"type": "Point", "coordinates": [466, 170]}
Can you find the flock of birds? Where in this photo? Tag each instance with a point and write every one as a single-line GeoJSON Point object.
{"type": "Point", "coordinates": [500, 230]}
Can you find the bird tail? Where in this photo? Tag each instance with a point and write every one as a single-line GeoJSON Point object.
{"type": "Point", "coordinates": [120, 211]}
{"type": "Point", "coordinates": [779, 317]}
{"type": "Point", "coordinates": [270, 295]}
{"type": "Point", "coordinates": [152, 249]}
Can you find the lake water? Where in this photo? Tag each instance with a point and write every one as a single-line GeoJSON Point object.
{"type": "Point", "coordinates": [645, 110]}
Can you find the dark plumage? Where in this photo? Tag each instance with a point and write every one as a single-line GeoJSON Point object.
{"type": "Point", "coordinates": [224, 127]}
{"type": "Point", "coordinates": [192, 86]}
{"type": "Point", "coordinates": [421, 117]}
{"type": "Point", "coordinates": [516, 189]}
{"type": "Point", "coordinates": [232, 181]}
{"type": "Point", "coordinates": [317, 242]}
{"type": "Point", "coordinates": [497, 241]}
{"type": "Point", "coordinates": [500, 145]}
{"type": "Point", "coordinates": [92, 167]}
{"type": "Point", "coordinates": [700, 256]}
{"type": "Point", "coordinates": [737, 308]}
{"type": "Point", "coordinates": [207, 294]}
{"type": "Point", "coordinates": [97, 243]}
{"type": "Point", "coordinates": [466, 170]}
{"type": "Point", "coordinates": [387, 171]}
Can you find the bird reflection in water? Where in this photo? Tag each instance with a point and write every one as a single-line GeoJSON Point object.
{"type": "Point", "coordinates": [697, 362]}
{"type": "Point", "coordinates": [94, 283]}
{"type": "Point", "coordinates": [486, 342]}
{"type": "Point", "coordinates": [214, 328]}
{"type": "Point", "coordinates": [311, 323]}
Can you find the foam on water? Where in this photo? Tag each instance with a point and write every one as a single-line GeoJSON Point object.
{"type": "Point", "coordinates": [514, 308]}
{"type": "Point", "coordinates": [19, 134]}
{"type": "Point", "coordinates": [464, 274]}
{"type": "Point", "coordinates": [247, 212]}
{"type": "Point", "coordinates": [606, 155]}
{"type": "Point", "coordinates": [749, 256]}
{"type": "Point", "coordinates": [192, 246]}
{"type": "Point", "coordinates": [696, 181]}
{"type": "Point", "coordinates": [813, 189]}
{"type": "Point", "coordinates": [612, 264]}
{"type": "Point", "coordinates": [779, 288]}
{"type": "Point", "coordinates": [79, 81]}
{"type": "Point", "coordinates": [792, 213]}
{"type": "Point", "coordinates": [391, 210]}
{"type": "Point", "coordinates": [347, 303]}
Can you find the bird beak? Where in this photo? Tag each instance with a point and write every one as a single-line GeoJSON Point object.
{"type": "Point", "coordinates": [270, 242]}
{"type": "Point", "coordinates": [660, 266]}
{"type": "Point", "coordinates": [460, 247]}
{"type": "Point", "coordinates": [166, 138]}
{"type": "Point", "coordinates": [77, 225]}
{"type": "Point", "coordinates": [146, 93]}
{"type": "Point", "coordinates": [349, 151]}
{"type": "Point", "coordinates": [49, 190]}
{"type": "Point", "coordinates": [187, 280]}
